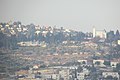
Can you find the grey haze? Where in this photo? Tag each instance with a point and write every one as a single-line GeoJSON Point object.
{"type": "Point", "coordinates": [80, 15]}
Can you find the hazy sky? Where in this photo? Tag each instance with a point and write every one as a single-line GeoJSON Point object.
{"type": "Point", "coordinates": [79, 15]}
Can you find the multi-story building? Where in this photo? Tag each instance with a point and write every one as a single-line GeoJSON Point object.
{"type": "Point", "coordinates": [113, 74]}
{"type": "Point", "coordinates": [64, 74]}
{"type": "Point", "coordinates": [99, 33]}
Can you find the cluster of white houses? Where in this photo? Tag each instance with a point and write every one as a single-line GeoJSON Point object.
{"type": "Point", "coordinates": [99, 63]}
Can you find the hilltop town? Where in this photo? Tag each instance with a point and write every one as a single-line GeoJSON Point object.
{"type": "Point", "coordinates": [34, 52]}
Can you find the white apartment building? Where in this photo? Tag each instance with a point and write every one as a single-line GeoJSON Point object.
{"type": "Point", "coordinates": [99, 33]}
{"type": "Point", "coordinates": [113, 74]}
